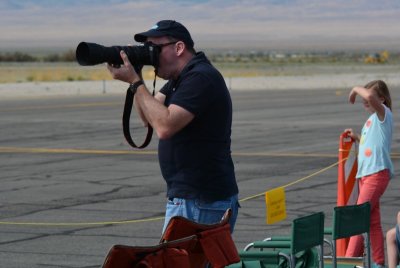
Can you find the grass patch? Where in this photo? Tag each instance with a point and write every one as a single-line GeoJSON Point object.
{"type": "Point", "coordinates": [45, 72]}
{"type": "Point", "coordinates": [48, 72]}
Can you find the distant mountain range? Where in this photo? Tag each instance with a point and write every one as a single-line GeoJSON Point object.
{"type": "Point", "coordinates": [224, 24]}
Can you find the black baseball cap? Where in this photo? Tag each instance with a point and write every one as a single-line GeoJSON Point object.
{"type": "Point", "coordinates": [167, 28]}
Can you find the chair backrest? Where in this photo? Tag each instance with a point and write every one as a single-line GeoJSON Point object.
{"type": "Point", "coordinates": [351, 220]}
{"type": "Point", "coordinates": [179, 227]}
{"type": "Point", "coordinates": [307, 232]}
{"type": "Point", "coordinates": [307, 237]}
{"type": "Point", "coordinates": [122, 256]}
{"type": "Point", "coordinates": [215, 245]}
{"type": "Point", "coordinates": [184, 244]}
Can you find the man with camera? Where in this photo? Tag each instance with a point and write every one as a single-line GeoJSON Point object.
{"type": "Point", "coordinates": [192, 116]}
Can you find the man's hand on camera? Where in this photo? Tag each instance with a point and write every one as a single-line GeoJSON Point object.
{"type": "Point", "coordinates": [125, 72]}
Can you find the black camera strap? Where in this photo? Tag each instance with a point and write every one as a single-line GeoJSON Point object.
{"type": "Point", "coordinates": [125, 122]}
{"type": "Point", "coordinates": [128, 109]}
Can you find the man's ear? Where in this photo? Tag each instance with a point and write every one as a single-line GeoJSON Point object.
{"type": "Point", "coordinates": [179, 48]}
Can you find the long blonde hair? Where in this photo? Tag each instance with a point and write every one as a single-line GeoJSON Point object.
{"type": "Point", "coordinates": [382, 90]}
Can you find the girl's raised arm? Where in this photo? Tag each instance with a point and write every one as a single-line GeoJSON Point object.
{"type": "Point", "coordinates": [371, 97]}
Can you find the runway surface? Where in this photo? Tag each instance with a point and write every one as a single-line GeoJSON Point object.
{"type": "Point", "coordinates": [71, 187]}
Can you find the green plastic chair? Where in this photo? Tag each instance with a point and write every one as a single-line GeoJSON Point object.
{"type": "Point", "coordinates": [257, 259]}
{"type": "Point", "coordinates": [306, 234]}
{"type": "Point", "coordinates": [349, 221]}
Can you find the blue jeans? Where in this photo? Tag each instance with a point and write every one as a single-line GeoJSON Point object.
{"type": "Point", "coordinates": [202, 212]}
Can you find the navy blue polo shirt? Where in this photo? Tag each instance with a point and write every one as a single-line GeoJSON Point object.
{"type": "Point", "coordinates": [196, 162]}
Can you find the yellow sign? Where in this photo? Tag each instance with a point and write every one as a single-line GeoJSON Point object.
{"type": "Point", "coordinates": [276, 205]}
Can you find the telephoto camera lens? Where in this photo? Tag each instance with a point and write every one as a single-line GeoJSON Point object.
{"type": "Point", "coordinates": [88, 54]}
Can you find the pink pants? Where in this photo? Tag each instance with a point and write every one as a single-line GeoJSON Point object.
{"type": "Point", "coordinates": [371, 188]}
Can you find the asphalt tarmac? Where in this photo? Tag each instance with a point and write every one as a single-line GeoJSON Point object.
{"type": "Point", "coordinates": [71, 187]}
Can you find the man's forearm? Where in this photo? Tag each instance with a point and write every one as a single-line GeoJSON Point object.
{"type": "Point", "coordinates": [140, 113]}
{"type": "Point", "coordinates": [150, 109]}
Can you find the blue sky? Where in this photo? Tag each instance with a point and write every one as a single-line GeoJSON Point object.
{"type": "Point", "coordinates": [315, 24]}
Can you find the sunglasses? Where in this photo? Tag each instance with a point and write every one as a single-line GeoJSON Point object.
{"type": "Point", "coordinates": [162, 45]}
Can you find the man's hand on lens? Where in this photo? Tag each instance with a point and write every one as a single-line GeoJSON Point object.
{"type": "Point", "coordinates": [125, 72]}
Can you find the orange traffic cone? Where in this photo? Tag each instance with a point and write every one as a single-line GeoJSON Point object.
{"type": "Point", "coordinates": [347, 191]}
